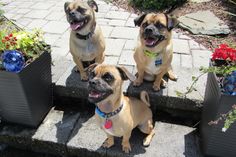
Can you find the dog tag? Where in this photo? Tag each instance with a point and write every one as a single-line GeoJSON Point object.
{"type": "Point", "coordinates": [108, 124]}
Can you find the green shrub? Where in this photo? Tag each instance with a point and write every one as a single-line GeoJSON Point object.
{"type": "Point", "coordinates": [156, 4]}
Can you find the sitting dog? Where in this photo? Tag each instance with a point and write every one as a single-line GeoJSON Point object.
{"type": "Point", "coordinates": [154, 50]}
{"type": "Point", "coordinates": [87, 43]}
{"type": "Point", "coordinates": [117, 114]}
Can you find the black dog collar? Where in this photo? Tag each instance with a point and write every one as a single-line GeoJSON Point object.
{"type": "Point", "coordinates": [86, 37]}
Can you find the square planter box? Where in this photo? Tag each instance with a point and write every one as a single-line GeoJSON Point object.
{"type": "Point", "coordinates": [214, 141]}
{"type": "Point", "coordinates": [26, 97]}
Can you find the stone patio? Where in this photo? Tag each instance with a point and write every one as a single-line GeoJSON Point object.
{"type": "Point", "coordinates": [82, 136]}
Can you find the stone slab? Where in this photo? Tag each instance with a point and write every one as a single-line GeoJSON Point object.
{"type": "Point", "coordinates": [36, 24]}
{"type": "Point", "coordinates": [117, 15]}
{"type": "Point", "coordinates": [55, 16]}
{"type": "Point", "coordinates": [42, 5]}
{"type": "Point", "coordinates": [203, 22]}
{"type": "Point", "coordinates": [86, 138]}
{"type": "Point", "coordinates": [167, 100]}
{"type": "Point", "coordinates": [130, 44]}
{"type": "Point", "coordinates": [169, 140]}
{"type": "Point", "coordinates": [181, 46]}
{"type": "Point", "coordinates": [52, 135]}
{"type": "Point", "coordinates": [59, 67]}
{"type": "Point", "coordinates": [106, 30]}
{"type": "Point", "coordinates": [186, 61]}
{"type": "Point", "coordinates": [157, 99]}
{"type": "Point", "coordinates": [114, 46]}
{"type": "Point", "coordinates": [37, 14]}
{"type": "Point", "coordinates": [126, 58]}
{"type": "Point", "coordinates": [124, 33]}
{"type": "Point", "coordinates": [55, 27]}
{"type": "Point", "coordinates": [201, 58]}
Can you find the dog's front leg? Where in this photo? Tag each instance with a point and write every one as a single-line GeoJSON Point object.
{"type": "Point", "coordinates": [139, 80]}
{"type": "Point", "coordinates": [108, 142]}
{"type": "Point", "coordinates": [159, 80]}
{"type": "Point", "coordinates": [99, 59]}
{"type": "Point", "coordinates": [125, 143]}
{"type": "Point", "coordinates": [80, 67]}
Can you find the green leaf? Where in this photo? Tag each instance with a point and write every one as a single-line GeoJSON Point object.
{"type": "Point", "coordinates": [178, 93]}
{"type": "Point", "coordinates": [193, 78]}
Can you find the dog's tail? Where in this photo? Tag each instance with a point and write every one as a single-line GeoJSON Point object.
{"type": "Point", "coordinates": [145, 98]}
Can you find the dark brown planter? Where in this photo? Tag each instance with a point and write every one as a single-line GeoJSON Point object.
{"type": "Point", "coordinates": [214, 141]}
{"type": "Point", "coordinates": [26, 97]}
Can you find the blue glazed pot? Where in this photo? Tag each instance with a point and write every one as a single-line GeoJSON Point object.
{"type": "Point", "coordinates": [13, 61]}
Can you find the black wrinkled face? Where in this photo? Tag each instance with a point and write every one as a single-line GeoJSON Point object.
{"type": "Point", "coordinates": [153, 33]}
{"type": "Point", "coordinates": [99, 88]}
{"type": "Point", "coordinates": [78, 17]}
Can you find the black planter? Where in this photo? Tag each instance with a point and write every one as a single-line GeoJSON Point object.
{"type": "Point", "coordinates": [26, 97]}
{"type": "Point", "coordinates": [214, 141]}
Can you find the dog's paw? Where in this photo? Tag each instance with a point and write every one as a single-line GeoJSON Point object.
{"type": "Point", "coordinates": [84, 77]}
{"type": "Point", "coordinates": [108, 143]}
{"type": "Point", "coordinates": [156, 87]}
{"type": "Point", "coordinates": [163, 83]}
{"type": "Point", "coordinates": [137, 83]}
{"type": "Point", "coordinates": [126, 148]}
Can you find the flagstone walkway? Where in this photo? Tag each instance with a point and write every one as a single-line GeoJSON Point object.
{"type": "Point", "coordinates": [117, 26]}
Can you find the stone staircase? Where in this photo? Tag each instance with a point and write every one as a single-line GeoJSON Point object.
{"type": "Point", "coordinates": [69, 132]}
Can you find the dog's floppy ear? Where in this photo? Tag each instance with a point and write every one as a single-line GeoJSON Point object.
{"type": "Point", "coordinates": [125, 74]}
{"type": "Point", "coordinates": [172, 22]}
{"type": "Point", "coordinates": [91, 67]}
{"type": "Point", "coordinates": [93, 5]}
{"type": "Point", "coordinates": [139, 20]}
{"type": "Point", "coordinates": [66, 5]}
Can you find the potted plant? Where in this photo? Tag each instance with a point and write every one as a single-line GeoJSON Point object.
{"type": "Point", "coordinates": [25, 77]}
{"type": "Point", "coordinates": [220, 98]}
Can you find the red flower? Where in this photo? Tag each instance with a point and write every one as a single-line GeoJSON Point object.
{"type": "Point", "coordinates": [10, 35]}
{"type": "Point", "coordinates": [224, 52]}
{"type": "Point", "coordinates": [15, 39]}
{"type": "Point", "coordinates": [3, 41]}
{"type": "Point", "coordinates": [7, 38]}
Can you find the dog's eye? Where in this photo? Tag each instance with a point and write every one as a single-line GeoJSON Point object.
{"type": "Point", "coordinates": [159, 25]}
{"type": "Point", "coordinates": [108, 77]}
{"type": "Point", "coordinates": [145, 24]}
{"type": "Point", "coordinates": [81, 10]}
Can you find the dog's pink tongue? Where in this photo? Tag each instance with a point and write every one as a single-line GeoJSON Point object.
{"type": "Point", "coordinates": [76, 26]}
{"type": "Point", "coordinates": [149, 42]}
{"type": "Point", "coordinates": [94, 94]}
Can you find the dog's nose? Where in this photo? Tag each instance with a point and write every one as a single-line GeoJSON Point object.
{"type": "Point", "coordinates": [149, 30]}
{"type": "Point", "coordinates": [93, 82]}
{"type": "Point", "coordinates": [72, 13]}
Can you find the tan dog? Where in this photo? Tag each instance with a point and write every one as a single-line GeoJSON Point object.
{"type": "Point", "coordinates": [117, 114]}
{"type": "Point", "coordinates": [87, 43]}
{"type": "Point", "coordinates": [154, 50]}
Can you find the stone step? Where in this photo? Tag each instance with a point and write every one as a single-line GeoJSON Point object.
{"type": "Point", "coordinates": [74, 133]}
{"type": "Point", "coordinates": [69, 85]}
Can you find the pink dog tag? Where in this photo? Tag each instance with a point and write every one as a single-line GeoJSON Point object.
{"type": "Point", "coordinates": [108, 124]}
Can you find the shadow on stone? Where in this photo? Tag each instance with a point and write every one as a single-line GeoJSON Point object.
{"type": "Point", "coordinates": [74, 82]}
{"type": "Point", "coordinates": [136, 142]}
{"type": "Point", "coordinates": [86, 138]}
